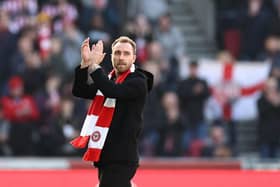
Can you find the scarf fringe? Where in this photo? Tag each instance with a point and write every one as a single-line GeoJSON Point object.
{"type": "Point", "coordinates": [92, 155]}
{"type": "Point", "coordinates": [80, 142]}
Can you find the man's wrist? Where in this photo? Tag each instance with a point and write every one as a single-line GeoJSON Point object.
{"type": "Point", "coordinates": [84, 65]}
{"type": "Point", "coordinates": [93, 67]}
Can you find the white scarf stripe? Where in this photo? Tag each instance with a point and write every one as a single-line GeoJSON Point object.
{"type": "Point", "coordinates": [99, 142]}
{"type": "Point", "coordinates": [110, 103]}
{"type": "Point", "coordinates": [99, 93]}
{"type": "Point", "coordinates": [89, 124]}
{"type": "Point", "coordinates": [132, 68]}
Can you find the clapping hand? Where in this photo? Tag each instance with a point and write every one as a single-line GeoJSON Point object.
{"type": "Point", "coordinates": [95, 55]}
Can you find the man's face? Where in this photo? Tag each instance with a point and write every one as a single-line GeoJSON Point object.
{"type": "Point", "coordinates": [193, 71]}
{"type": "Point", "coordinates": [16, 92]}
{"type": "Point", "coordinates": [122, 57]}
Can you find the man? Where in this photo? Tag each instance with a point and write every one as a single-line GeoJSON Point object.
{"type": "Point", "coordinates": [124, 92]}
{"type": "Point", "coordinates": [268, 106]}
{"type": "Point", "coordinates": [193, 93]}
{"type": "Point", "coordinates": [22, 113]}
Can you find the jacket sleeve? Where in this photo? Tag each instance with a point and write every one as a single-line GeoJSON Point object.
{"type": "Point", "coordinates": [80, 87]}
{"type": "Point", "coordinates": [131, 88]}
{"type": "Point", "coordinates": [264, 106]}
{"type": "Point", "coordinates": [186, 91]}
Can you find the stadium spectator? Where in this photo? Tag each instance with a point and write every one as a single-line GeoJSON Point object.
{"type": "Point", "coordinates": [143, 36]}
{"type": "Point", "coordinates": [7, 44]}
{"type": "Point", "coordinates": [49, 133]}
{"type": "Point", "coordinates": [151, 9]}
{"type": "Point", "coordinates": [99, 31]}
{"type": "Point", "coordinates": [4, 134]}
{"type": "Point", "coordinates": [152, 113]}
{"type": "Point", "coordinates": [227, 27]}
{"type": "Point", "coordinates": [255, 20]}
{"type": "Point", "coordinates": [25, 46]}
{"type": "Point", "coordinates": [172, 42]}
{"type": "Point", "coordinates": [56, 63]}
{"type": "Point", "coordinates": [170, 38]}
{"type": "Point", "coordinates": [34, 73]}
{"type": "Point", "coordinates": [271, 49]}
{"type": "Point", "coordinates": [217, 146]}
{"type": "Point", "coordinates": [227, 92]}
{"type": "Point", "coordinates": [21, 111]}
{"type": "Point", "coordinates": [275, 70]}
{"type": "Point", "coordinates": [171, 129]}
{"type": "Point", "coordinates": [71, 38]}
{"type": "Point", "coordinates": [168, 69]}
{"type": "Point", "coordinates": [44, 34]}
{"type": "Point", "coordinates": [67, 123]}
{"type": "Point", "coordinates": [269, 120]}
{"type": "Point", "coordinates": [193, 93]}
{"type": "Point", "coordinates": [108, 9]}
{"type": "Point", "coordinates": [274, 28]}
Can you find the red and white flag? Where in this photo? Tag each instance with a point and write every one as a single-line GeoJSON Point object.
{"type": "Point", "coordinates": [239, 82]}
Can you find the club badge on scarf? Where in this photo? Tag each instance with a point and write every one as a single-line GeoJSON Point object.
{"type": "Point", "coordinates": [97, 122]}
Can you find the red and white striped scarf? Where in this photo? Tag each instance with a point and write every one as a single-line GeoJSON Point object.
{"type": "Point", "coordinates": [97, 122]}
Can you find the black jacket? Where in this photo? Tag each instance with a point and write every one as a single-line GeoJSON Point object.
{"type": "Point", "coordinates": [121, 145]}
{"type": "Point", "coordinates": [269, 121]}
{"type": "Point", "coordinates": [192, 104]}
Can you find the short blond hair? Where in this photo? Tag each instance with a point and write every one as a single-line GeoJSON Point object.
{"type": "Point", "coordinates": [125, 39]}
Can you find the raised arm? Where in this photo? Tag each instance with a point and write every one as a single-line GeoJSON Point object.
{"type": "Point", "coordinates": [135, 86]}
{"type": "Point", "coordinates": [81, 88]}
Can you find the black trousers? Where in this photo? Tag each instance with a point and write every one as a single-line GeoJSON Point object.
{"type": "Point", "coordinates": [116, 175]}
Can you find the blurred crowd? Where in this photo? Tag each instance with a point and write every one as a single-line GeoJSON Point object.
{"type": "Point", "coordinates": [249, 29]}
{"type": "Point", "coordinates": [250, 32]}
{"type": "Point", "coordinates": [40, 47]}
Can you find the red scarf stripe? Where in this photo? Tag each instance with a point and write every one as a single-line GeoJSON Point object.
{"type": "Point", "coordinates": [103, 120]}
{"type": "Point", "coordinates": [96, 105]}
{"type": "Point", "coordinates": [92, 154]}
{"type": "Point", "coordinates": [121, 78]}
{"type": "Point", "coordinates": [80, 142]}
{"type": "Point", "coordinates": [90, 107]}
